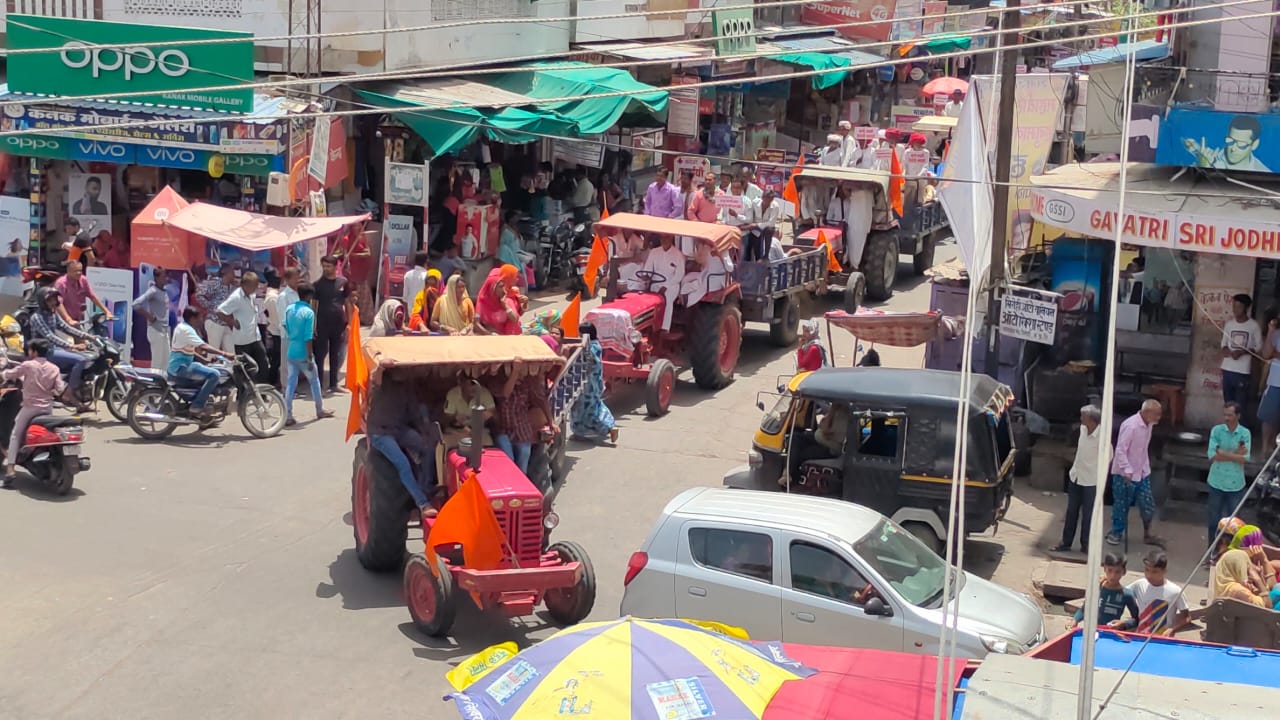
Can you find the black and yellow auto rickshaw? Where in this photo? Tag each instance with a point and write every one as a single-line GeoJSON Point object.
{"type": "Point", "coordinates": [885, 438]}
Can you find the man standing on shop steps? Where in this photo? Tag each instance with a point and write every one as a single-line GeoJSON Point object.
{"type": "Point", "coordinates": [334, 303]}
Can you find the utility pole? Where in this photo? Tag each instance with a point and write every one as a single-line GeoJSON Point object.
{"type": "Point", "coordinates": [1004, 149]}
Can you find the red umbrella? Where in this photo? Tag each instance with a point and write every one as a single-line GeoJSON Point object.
{"type": "Point", "coordinates": [944, 86]}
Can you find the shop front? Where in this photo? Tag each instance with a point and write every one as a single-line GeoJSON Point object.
{"type": "Point", "coordinates": [101, 161]}
{"type": "Point", "coordinates": [1188, 246]}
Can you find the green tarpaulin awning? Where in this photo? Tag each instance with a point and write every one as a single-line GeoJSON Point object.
{"type": "Point", "coordinates": [447, 129]}
{"type": "Point", "coordinates": [819, 61]}
{"type": "Point", "coordinates": [593, 115]}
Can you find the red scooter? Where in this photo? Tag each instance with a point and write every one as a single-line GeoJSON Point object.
{"type": "Point", "coordinates": [51, 452]}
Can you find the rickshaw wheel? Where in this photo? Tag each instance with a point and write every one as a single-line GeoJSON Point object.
{"type": "Point", "coordinates": [429, 595]}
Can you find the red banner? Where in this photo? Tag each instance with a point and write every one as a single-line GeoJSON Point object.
{"type": "Point", "coordinates": [853, 13]}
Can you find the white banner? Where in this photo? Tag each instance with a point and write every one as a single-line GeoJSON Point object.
{"type": "Point", "coordinates": [318, 163]}
{"type": "Point", "coordinates": [115, 289]}
{"type": "Point", "coordinates": [1030, 319]}
{"type": "Point", "coordinates": [965, 192]}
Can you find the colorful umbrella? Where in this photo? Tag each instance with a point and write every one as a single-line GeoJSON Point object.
{"type": "Point", "coordinates": [943, 86]}
{"type": "Point", "coordinates": [626, 669]}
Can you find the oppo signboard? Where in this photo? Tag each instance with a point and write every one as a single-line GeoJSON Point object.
{"type": "Point", "coordinates": [165, 75]}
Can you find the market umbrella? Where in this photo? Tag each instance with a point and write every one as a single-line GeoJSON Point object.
{"type": "Point", "coordinates": [626, 669]}
{"type": "Point", "coordinates": [943, 86]}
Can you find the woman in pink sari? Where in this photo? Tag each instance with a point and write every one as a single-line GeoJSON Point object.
{"type": "Point", "coordinates": [497, 311]}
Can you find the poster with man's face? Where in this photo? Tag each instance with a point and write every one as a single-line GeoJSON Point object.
{"type": "Point", "coordinates": [89, 201]}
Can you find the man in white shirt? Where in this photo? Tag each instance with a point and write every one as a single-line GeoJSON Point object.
{"type": "Point", "coordinates": [662, 272]}
{"type": "Point", "coordinates": [1241, 337]}
{"type": "Point", "coordinates": [414, 280]}
{"type": "Point", "coordinates": [291, 279]}
{"type": "Point", "coordinates": [1082, 481]}
{"type": "Point", "coordinates": [833, 155]}
{"type": "Point", "coordinates": [241, 316]}
{"type": "Point", "coordinates": [954, 105]}
{"type": "Point", "coordinates": [583, 199]}
{"type": "Point", "coordinates": [763, 225]}
{"type": "Point", "coordinates": [742, 215]}
{"type": "Point", "coordinates": [849, 151]}
{"type": "Point", "coordinates": [749, 186]}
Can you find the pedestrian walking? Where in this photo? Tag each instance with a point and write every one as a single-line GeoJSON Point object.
{"type": "Point", "coordinates": [291, 279]}
{"type": "Point", "coordinates": [154, 306]}
{"type": "Point", "coordinates": [1230, 445]}
{"type": "Point", "coordinates": [1131, 475]}
{"type": "Point", "coordinates": [334, 301]}
{"type": "Point", "coordinates": [269, 325]}
{"type": "Point", "coordinates": [299, 330]}
{"type": "Point", "coordinates": [1082, 486]}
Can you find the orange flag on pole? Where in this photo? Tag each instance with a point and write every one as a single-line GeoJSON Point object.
{"type": "Point", "coordinates": [357, 374]}
{"type": "Point", "coordinates": [789, 192]}
{"type": "Point", "coordinates": [598, 257]}
{"type": "Point", "coordinates": [467, 520]}
{"type": "Point", "coordinates": [896, 183]}
{"type": "Point", "coordinates": [833, 265]}
{"type": "Point", "coordinates": [571, 316]}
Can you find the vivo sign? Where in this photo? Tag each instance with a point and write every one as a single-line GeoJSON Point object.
{"type": "Point", "coordinates": [165, 157]}
{"type": "Point", "coordinates": [134, 61]}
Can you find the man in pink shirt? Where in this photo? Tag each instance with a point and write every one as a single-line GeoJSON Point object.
{"type": "Point", "coordinates": [702, 207]}
{"type": "Point", "coordinates": [41, 383]}
{"type": "Point", "coordinates": [1131, 475]}
{"type": "Point", "coordinates": [75, 289]}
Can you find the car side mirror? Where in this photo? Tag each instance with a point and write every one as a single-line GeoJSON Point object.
{"type": "Point", "coordinates": [760, 405]}
{"type": "Point", "coordinates": [877, 608]}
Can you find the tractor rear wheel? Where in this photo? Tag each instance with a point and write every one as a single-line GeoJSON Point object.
{"type": "Point", "coordinates": [659, 387]}
{"type": "Point", "coordinates": [571, 605]}
{"type": "Point", "coordinates": [379, 511]}
{"type": "Point", "coordinates": [430, 597]}
{"type": "Point", "coordinates": [785, 326]}
{"type": "Point", "coordinates": [881, 266]}
{"type": "Point", "coordinates": [714, 344]}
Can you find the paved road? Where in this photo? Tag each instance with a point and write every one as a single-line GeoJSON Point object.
{"type": "Point", "coordinates": [213, 576]}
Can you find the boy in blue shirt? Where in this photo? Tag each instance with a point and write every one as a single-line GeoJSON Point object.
{"type": "Point", "coordinates": [299, 328]}
{"type": "Point", "coordinates": [1114, 598]}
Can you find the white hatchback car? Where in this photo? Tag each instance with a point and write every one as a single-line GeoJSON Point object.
{"type": "Point", "coordinates": [802, 569]}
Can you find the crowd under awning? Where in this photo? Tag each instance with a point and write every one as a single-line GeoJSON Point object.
{"type": "Point", "coordinates": [1146, 50]}
{"type": "Point", "coordinates": [520, 106]}
{"type": "Point", "coordinates": [1165, 207]}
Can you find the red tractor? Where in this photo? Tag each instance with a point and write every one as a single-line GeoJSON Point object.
{"type": "Point", "coordinates": [533, 570]}
{"type": "Point", "coordinates": [647, 327]}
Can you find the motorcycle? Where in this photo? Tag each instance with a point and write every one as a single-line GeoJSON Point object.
{"type": "Point", "coordinates": [158, 403]}
{"type": "Point", "coordinates": [105, 379]}
{"type": "Point", "coordinates": [51, 452]}
{"type": "Point", "coordinates": [554, 247]}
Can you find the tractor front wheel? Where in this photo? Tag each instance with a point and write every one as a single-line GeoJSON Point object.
{"type": "Point", "coordinates": [659, 387]}
{"type": "Point", "coordinates": [430, 597]}
{"type": "Point", "coordinates": [379, 511]}
{"type": "Point", "coordinates": [881, 264]}
{"type": "Point", "coordinates": [714, 344]}
{"type": "Point", "coordinates": [571, 605]}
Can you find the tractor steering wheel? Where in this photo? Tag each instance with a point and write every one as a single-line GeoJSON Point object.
{"type": "Point", "coordinates": [649, 277]}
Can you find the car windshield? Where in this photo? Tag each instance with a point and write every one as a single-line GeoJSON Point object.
{"type": "Point", "coordinates": [904, 562]}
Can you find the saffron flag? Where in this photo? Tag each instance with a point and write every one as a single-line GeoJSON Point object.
{"type": "Point", "coordinates": [833, 265]}
{"type": "Point", "coordinates": [789, 192]}
{"type": "Point", "coordinates": [896, 183]}
{"type": "Point", "coordinates": [598, 257]}
{"type": "Point", "coordinates": [357, 374]}
{"type": "Point", "coordinates": [467, 520]}
{"type": "Point", "coordinates": [571, 316]}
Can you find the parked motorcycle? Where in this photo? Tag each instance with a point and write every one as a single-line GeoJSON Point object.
{"type": "Point", "coordinates": [51, 452]}
{"type": "Point", "coordinates": [555, 244]}
{"type": "Point", "coordinates": [158, 404]}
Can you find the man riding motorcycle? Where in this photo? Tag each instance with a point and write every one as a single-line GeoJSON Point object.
{"type": "Point", "coordinates": [185, 347]}
{"type": "Point", "coordinates": [48, 323]}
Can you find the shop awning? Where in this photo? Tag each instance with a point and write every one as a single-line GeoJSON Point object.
{"type": "Point", "coordinates": [153, 243]}
{"type": "Point", "coordinates": [820, 53]}
{"type": "Point", "coordinates": [447, 128]}
{"type": "Point", "coordinates": [255, 231]}
{"type": "Point", "coordinates": [1187, 213]}
{"type": "Point", "coordinates": [937, 44]}
{"type": "Point", "coordinates": [1144, 50]}
{"type": "Point", "coordinates": [592, 115]}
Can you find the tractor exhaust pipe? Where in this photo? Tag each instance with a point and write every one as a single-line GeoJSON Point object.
{"type": "Point", "coordinates": [477, 430]}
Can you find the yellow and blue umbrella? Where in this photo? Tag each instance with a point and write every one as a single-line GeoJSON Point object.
{"type": "Point", "coordinates": [626, 669]}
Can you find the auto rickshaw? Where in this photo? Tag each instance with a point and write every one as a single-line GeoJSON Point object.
{"type": "Point", "coordinates": [884, 438]}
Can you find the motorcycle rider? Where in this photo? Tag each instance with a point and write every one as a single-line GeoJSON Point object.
{"type": "Point", "coordinates": [48, 323]}
{"type": "Point", "coordinates": [41, 384]}
{"type": "Point", "coordinates": [185, 347]}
